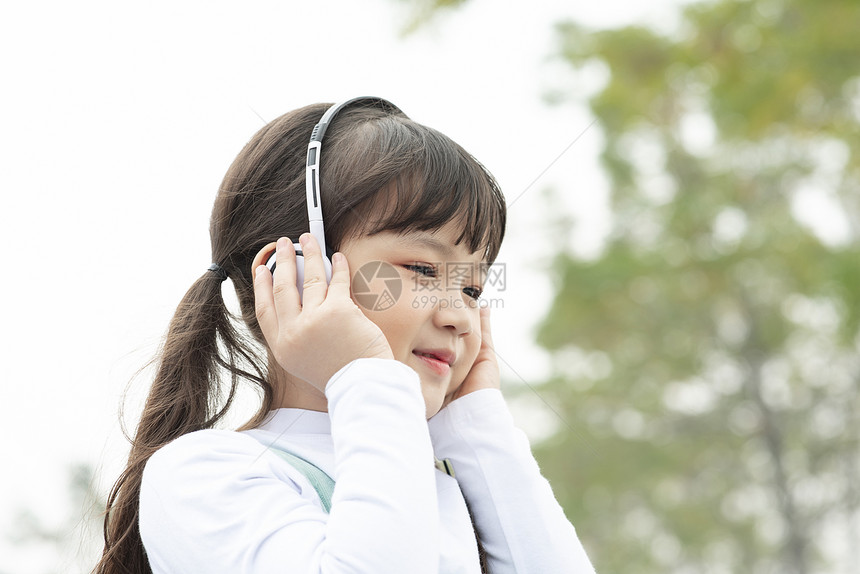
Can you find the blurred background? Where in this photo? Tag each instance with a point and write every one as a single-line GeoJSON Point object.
{"type": "Point", "coordinates": [678, 324]}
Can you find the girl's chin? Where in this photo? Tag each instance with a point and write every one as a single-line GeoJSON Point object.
{"type": "Point", "coordinates": [433, 402]}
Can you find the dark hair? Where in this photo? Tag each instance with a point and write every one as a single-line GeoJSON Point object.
{"type": "Point", "coordinates": [379, 172]}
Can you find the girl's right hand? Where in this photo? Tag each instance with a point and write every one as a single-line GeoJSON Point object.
{"type": "Point", "coordinates": [313, 336]}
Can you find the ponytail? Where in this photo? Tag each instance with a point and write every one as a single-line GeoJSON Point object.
{"type": "Point", "coordinates": [186, 396]}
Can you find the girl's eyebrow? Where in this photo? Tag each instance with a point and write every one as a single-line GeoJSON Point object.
{"type": "Point", "coordinates": [426, 240]}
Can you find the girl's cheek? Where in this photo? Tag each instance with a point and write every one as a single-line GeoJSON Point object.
{"type": "Point", "coordinates": [464, 366]}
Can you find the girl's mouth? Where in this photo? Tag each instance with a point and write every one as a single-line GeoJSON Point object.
{"type": "Point", "coordinates": [434, 362]}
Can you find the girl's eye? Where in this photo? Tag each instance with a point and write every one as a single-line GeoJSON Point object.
{"type": "Point", "coordinates": [473, 292]}
{"type": "Point", "coordinates": [425, 270]}
{"type": "Point", "coordinates": [430, 272]}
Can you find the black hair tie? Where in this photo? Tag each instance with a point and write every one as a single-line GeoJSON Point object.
{"type": "Point", "coordinates": [217, 270]}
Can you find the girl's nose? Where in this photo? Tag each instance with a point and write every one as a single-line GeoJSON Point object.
{"type": "Point", "coordinates": [453, 312]}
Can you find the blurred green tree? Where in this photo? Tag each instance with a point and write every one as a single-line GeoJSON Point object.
{"type": "Point", "coordinates": [708, 358]}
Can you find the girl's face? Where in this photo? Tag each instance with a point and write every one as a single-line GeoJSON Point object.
{"type": "Point", "coordinates": [421, 289]}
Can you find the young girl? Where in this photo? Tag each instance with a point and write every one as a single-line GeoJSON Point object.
{"type": "Point", "coordinates": [383, 444]}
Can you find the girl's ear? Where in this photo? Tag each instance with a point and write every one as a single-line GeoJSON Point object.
{"type": "Point", "coordinates": [262, 256]}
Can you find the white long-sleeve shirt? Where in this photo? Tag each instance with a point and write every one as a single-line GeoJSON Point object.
{"type": "Point", "coordinates": [218, 501]}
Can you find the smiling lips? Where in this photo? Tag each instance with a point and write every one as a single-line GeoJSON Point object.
{"type": "Point", "coordinates": [439, 360]}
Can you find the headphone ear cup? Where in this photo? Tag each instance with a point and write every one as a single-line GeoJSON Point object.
{"type": "Point", "coordinates": [300, 268]}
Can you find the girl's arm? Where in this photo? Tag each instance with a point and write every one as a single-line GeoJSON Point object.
{"type": "Point", "coordinates": [521, 525]}
{"type": "Point", "coordinates": [219, 502]}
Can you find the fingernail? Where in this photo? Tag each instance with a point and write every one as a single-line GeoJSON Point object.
{"type": "Point", "coordinates": [337, 257]}
{"type": "Point", "coordinates": [305, 237]}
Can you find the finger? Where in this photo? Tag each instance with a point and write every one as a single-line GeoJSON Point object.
{"type": "Point", "coordinates": [264, 303]}
{"type": "Point", "coordinates": [486, 334]}
{"type": "Point", "coordinates": [314, 289]}
{"type": "Point", "coordinates": [286, 294]}
{"type": "Point", "coordinates": [340, 280]}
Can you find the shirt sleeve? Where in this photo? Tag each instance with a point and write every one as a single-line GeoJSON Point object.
{"type": "Point", "coordinates": [220, 502]}
{"type": "Point", "coordinates": [521, 525]}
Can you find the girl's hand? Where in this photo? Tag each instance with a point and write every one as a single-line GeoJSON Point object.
{"type": "Point", "coordinates": [313, 336]}
{"type": "Point", "coordinates": [484, 373]}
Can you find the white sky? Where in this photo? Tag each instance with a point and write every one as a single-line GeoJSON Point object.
{"type": "Point", "coordinates": [118, 123]}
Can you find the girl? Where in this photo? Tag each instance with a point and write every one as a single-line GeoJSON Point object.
{"type": "Point", "coordinates": [336, 471]}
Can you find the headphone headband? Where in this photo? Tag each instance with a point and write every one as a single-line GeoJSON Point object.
{"type": "Point", "coordinates": [369, 101]}
{"type": "Point", "coordinates": [312, 171]}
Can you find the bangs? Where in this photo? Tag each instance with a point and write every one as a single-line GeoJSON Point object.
{"type": "Point", "coordinates": [435, 182]}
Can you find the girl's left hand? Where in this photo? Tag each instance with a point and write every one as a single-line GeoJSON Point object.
{"type": "Point", "coordinates": [485, 371]}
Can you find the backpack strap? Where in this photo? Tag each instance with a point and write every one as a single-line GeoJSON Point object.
{"type": "Point", "coordinates": [322, 483]}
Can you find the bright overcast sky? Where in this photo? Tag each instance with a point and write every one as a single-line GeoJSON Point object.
{"type": "Point", "coordinates": [118, 123]}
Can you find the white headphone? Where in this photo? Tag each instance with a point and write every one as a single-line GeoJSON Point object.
{"type": "Point", "coordinates": [312, 186]}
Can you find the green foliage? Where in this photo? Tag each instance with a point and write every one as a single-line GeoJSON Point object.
{"type": "Point", "coordinates": [709, 357]}
{"type": "Point", "coordinates": [421, 12]}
